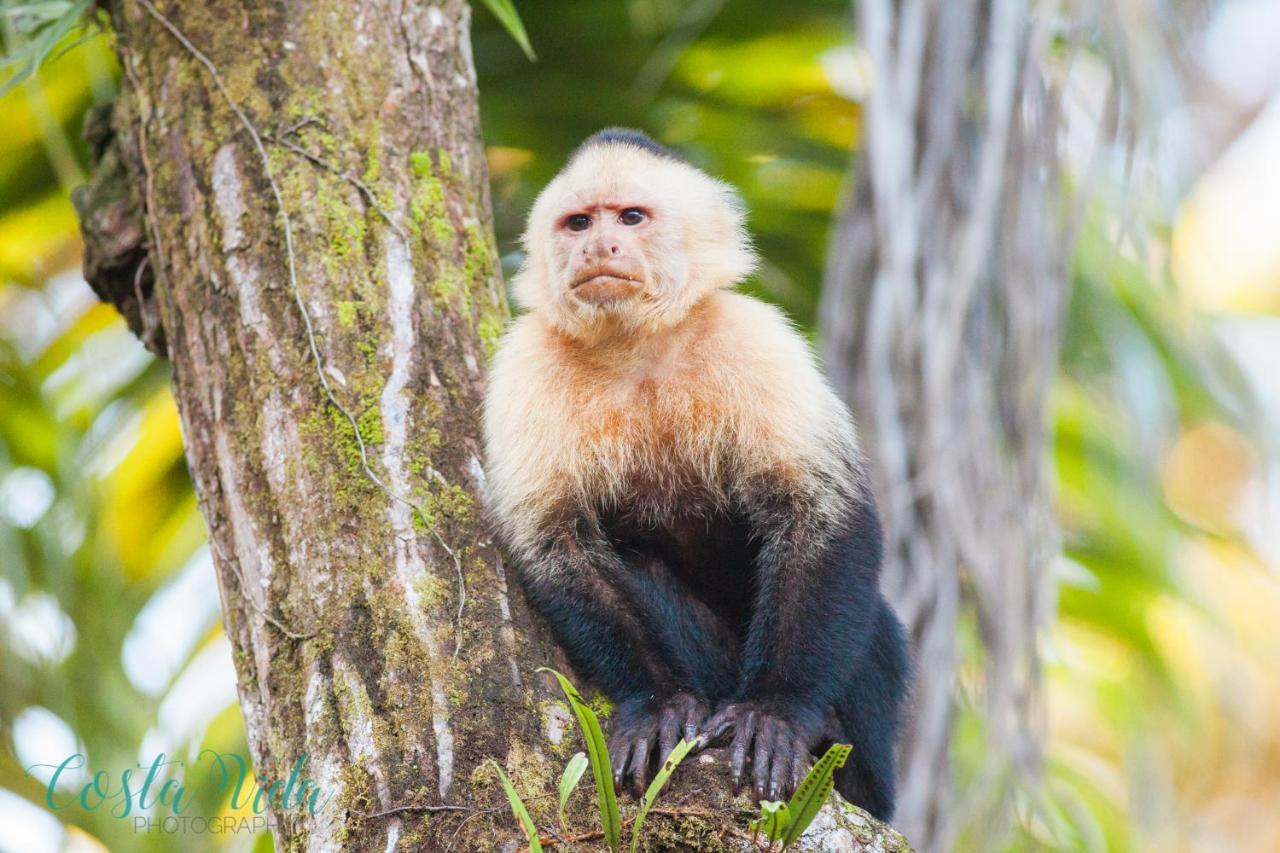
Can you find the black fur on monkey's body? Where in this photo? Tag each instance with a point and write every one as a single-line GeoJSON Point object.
{"type": "Point", "coordinates": [696, 612]}
{"type": "Point", "coordinates": [681, 492]}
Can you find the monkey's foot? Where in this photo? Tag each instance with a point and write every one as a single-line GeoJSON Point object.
{"type": "Point", "coordinates": [778, 741]}
{"type": "Point", "coordinates": [634, 738]}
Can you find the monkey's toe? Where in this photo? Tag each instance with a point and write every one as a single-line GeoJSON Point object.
{"type": "Point", "coordinates": [778, 744]}
{"type": "Point", "coordinates": [680, 717]}
{"type": "Point", "coordinates": [633, 742]}
{"type": "Point", "coordinates": [629, 751]}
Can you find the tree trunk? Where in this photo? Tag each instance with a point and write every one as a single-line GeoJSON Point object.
{"type": "Point", "coordinates": [945, 290]}
{"type": "Point", "coordinates": [291, 203]}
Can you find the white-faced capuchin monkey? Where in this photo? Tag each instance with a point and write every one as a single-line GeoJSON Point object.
{"type": "Point", "coordinates": [681, 491]}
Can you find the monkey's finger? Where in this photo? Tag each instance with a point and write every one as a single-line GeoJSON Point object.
{"type": "Point", "coordinates": [799, 761]}
{"type": "Point", "coordinates": [764, 751]}
{"type": "Point", "coordinates": [721, 722]}
{"type": "Point", "coordinates": [619, 751]}
{"type": "Point", "coordinates": [738, 749]}
{"type": "Point", "coordinates": [783, 744]}
{"type": "Point", "coordinates": [640, 764]}
{"type": "Point", "coordinates": [779, 759]}
{"type": "Point", "coordinates": [669, 730]}
{"type": "Point", "coordinates": [693, 721]}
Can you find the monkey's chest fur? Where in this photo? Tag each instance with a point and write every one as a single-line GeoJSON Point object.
{"type": "Point", "coordinates": [657, 448]}
{"type": "Point", "coordinates": [665, 461]}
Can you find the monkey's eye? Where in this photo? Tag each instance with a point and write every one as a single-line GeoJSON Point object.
{"type": "Point", "coordinates": [578, 222]}
{"type": "Point", "coordinates": [631, 216]}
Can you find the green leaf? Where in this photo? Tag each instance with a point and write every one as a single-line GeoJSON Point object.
{"type": "Point", "coordinates": [774, 819]}
{"type": "Point", "coordinates": [813, 792]}
{"type": "Point", "coordinates": [505, 12]}
{"type": "Point", "coordinates": [47, 11]}
{"type": "Point", "coordinates": [517, 807]}
{"type": "Point", "coordinates": [33, 53]}
{"type": "Point", "coordinates": [569, 780]}
{"type": "Point", "coordinates": [672, 761]}
{"type": "Point", "coordinates": [598, 753]}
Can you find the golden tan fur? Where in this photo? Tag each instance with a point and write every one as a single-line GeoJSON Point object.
{"type": "Point", "coordinates": [690, 396]}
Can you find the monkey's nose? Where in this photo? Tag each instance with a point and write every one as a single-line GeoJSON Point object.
{"type": "Point", "coordinates": [602, 249]}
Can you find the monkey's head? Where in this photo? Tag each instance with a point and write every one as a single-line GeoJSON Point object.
{"type": "Point", "coordinates": [628, 237]}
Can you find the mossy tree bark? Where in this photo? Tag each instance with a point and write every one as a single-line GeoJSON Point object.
{"type": "Point", "coordinates": [291, 204]}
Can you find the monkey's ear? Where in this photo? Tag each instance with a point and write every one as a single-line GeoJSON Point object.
{"type": "Point", "coordinates": [532, 285]}
{"type": "Point", "coordinates": [529, 286]}
{"type": "Point", "coordinates": [725, 254]}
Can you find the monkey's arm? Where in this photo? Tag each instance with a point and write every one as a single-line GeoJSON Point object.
{"type": "Point", "coordinates": [653, 650]}
{"type": "Point", "coordinates": [813, 616]}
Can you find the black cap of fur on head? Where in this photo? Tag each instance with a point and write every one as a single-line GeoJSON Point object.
{"type": "Point", "coordinates": [627, 136]}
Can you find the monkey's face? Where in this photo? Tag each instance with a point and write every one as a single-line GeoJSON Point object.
{"type": "Point", "coordinates": [625, 240]}
{"type": "Point", "coordinates": [602, 244]}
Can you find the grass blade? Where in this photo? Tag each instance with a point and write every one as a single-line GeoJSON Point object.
{"type": "Point", "coordinates": [813, 792]}
{"type": "Point", "coordinates": [598, 753]}
{"type": "Point", "coordinates": [569, 780]}
{"type": "Point", "coordinates": [46, 11]}
{"type": "Point", "coordinates": [522, 814]}
{"type": "Point", "coordinates": [672, 761]}
{"type": "Point", "coordinates": [33, 52]}
{"type": "Point", "coordinates": [505, 12]}
{"type": "Point", "coordinates": [774, 819]}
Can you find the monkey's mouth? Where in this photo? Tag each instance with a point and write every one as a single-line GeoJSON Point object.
{"type": "Point", "coordinates": [603, 276]}
{"type": "Point", "coordinates": [603, 286]}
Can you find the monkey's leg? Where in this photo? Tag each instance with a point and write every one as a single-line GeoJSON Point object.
{"type": "Point", "coordinates": [701, 650]}
{"type": "Point", "coordinates": [626, 629]}
{"type": "Point", "coordinates": [815, 609]}
{"type": "Point", "coordinates": [871, 717]}
{"type": "Point", "coordinates": [699, 645]}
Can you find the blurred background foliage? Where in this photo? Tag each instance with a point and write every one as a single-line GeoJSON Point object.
{"type": "Point", "coordinates": [1162, 708]}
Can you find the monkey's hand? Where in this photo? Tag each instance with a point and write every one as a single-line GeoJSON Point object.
{"type": "Point", "coordinates": [637, 730]}
{"type": "Point", "coordinates": [779, 741]}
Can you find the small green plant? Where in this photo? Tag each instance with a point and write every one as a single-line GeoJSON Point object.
{"type": "Point", "coordinates": [569, 780]}
{"type": "Point", "coordinates": [779, 822]}
{"type": "Point", "coordinates": [773, 820]}
{"type": "Point", "coordinates": [527, 825]}
{"type": "Point", "coordinates": [598, 754]}
{"type": "Point", "coordinates": [597, 757]}
{"type": "Point", "coordinates": [786, 822]}
{"type": "Point", "coordinates": [669, 764]}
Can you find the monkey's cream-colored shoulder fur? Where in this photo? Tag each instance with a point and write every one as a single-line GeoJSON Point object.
{"type": "Point", "coordinates": [729, 394]}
